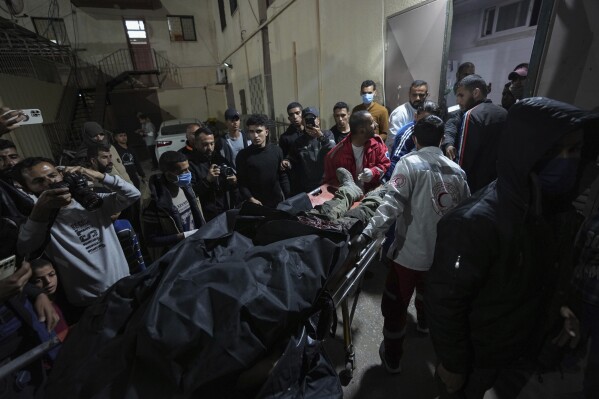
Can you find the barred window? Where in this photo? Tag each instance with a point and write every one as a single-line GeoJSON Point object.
{"type": "Point", "coordinates": [181, 28]}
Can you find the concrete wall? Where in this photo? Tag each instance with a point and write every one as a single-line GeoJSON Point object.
{"type": "Point", "coordinates": [98, 32]}
{"type": "Point", "coordinates": [494, 58]}
{"type": "Point", "coordinates": [320, 50]}
{"type": "Point", "coordinates": [23, 93]}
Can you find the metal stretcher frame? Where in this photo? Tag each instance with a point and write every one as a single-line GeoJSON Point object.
{"type": "Point", "coordinates": [347, 281]}
{"type": "Point", "coordinates": [342, 285]}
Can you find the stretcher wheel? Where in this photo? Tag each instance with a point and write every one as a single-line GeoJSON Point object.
{"type": "Point", "coordinates": [346, 375]}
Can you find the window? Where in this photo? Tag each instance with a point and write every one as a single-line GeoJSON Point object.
{"type": "Point", "coordinates": [221, 13]}
{"type": "Point", "coordinates": [233, 6]}
{"type": "Point", "coordinates": [136, 31]}
{"type": "Point", "coordinates": [181, 28]}
{"type": "Point", "coordinates": [52, 29]}
{"type": "Point", "coordinates": [506, 17]}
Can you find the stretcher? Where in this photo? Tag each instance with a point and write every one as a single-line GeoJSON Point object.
{"type": "Point", "coordinates": [345, 284]}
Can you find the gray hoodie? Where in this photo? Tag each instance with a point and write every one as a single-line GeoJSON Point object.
{"type": "Point", "coordinates": [83, 245]}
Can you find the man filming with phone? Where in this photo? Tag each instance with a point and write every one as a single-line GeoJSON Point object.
{"type": "Point", "coordinates": [215, 180]}
{"type": "Point", "coordinates": [72, 225]}
{"type": "Point", "coordinates": [306, 155]}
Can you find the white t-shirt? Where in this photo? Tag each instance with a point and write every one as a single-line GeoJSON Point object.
{"type": "Point", "coordinates": [180, 202]}
{"type": "Point", "coordinates": [359, 157]}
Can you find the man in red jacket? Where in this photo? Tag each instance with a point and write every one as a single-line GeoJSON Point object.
{"type": "Point", "coordinates": [362, 153]}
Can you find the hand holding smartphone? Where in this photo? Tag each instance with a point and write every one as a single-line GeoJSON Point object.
{"type": "Point", "coordinates": [22, 117]}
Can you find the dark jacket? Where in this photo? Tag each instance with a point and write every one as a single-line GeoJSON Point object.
{"type": "Point", "coordinates": [492, 292]}
{"type": "Point", "coordinates": [161, 222]}
{"type": "Point", "coordinates": [306, 155]}
{"type": "Point", "coordinates": [288, 138]}
{"type": "Point", "coordinates": [480, 134]}
{"type": "Point", "coordinates": [218, 196]}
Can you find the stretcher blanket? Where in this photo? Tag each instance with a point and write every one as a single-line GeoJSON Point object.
{"type": "Point", "coordinates": [189, 325]}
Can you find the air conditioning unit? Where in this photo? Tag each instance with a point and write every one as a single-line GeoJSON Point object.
{"type": "Point", "coordinates": [221, 75]}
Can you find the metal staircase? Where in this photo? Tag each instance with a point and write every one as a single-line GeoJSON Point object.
{"type": "Point", "coordinates": [86, 86]}
{"type": "Point", "coordinates": [139, 69]}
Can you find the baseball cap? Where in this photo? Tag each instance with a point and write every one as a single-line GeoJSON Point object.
{"type": "Point", "coordinates": [310, 111]}
{"type": "Point", "coordinates": [231, 113]}
{"type": "Point", "coordinates": [518, 73]}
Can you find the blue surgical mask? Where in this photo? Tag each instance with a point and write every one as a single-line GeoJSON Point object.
{"type": "Point", "coordinates": [184, 179]}
{"type": "Point", "coordinates": [367, 98]}
{"type": "Point", "coordinates": [559, 175]}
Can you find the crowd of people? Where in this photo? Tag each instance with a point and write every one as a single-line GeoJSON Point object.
{"type": "Point", "coordinates": [475, 204]}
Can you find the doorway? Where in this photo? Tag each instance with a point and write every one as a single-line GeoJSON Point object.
{"type": "Point", "coordinates": [139, 46]}
{"type": "Point", "coordinates": [416, 43]}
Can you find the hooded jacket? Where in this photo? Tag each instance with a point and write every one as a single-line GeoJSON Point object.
{"type": "Point", "coordinates": [492, 291]}
{"type": "Point", "coordinates": [90, 130]}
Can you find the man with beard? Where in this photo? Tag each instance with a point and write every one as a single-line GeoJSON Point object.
{"type": "Point", "coordinates": [362, 153]}
{"type": "Point", "coordinates": [93, 134]}
{"type": "Point", "coordinates": [82, 244]}
{"type": "Point", "coordinates": [9, 156]}
{"type": "Point", "coordinates": [405, 113]}
{"type": "Point", "coordinates": [215, 180]}
{"type": "Point", "coordinates": [480, 132]}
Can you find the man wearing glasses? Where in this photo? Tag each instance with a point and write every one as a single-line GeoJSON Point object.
{"type": "Point", "coordinates": [405, 113]}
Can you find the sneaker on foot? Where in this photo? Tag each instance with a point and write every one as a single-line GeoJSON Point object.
{"type": "Point", "coordinates": [346, 180]}
{"type": "Point", "coordinates": [390, 362]}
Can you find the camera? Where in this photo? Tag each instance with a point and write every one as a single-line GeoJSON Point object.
{"type": "Point", "coordinates": [77, 185]}
{"type": "Point", "coordinates": [226, 170]}
{"type": "Point", "coordinates": [310, 121]}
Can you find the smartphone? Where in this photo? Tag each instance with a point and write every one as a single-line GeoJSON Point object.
{"type": "Point", "coordinates": [32, 117]}
{"type": "Point", "coordinates": [310, 121]}
{"type": "Point", "coordinates": [8, 266]}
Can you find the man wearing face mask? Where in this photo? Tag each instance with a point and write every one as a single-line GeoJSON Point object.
{"type": "Point", "coordinates": [378, 112]}
{"type": "Point", "coordinates": [173, 212]}
{"type": "Point", "coordinates": [406, 112]}
{"type": "Point", "coordinates": [498, 301]}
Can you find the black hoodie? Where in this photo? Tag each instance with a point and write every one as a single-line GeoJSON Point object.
{"type": "Point", "coordinates": [492, 291]}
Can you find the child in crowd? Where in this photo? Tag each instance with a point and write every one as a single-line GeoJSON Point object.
{"type": "Point", "coordinates": [45, 278]}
